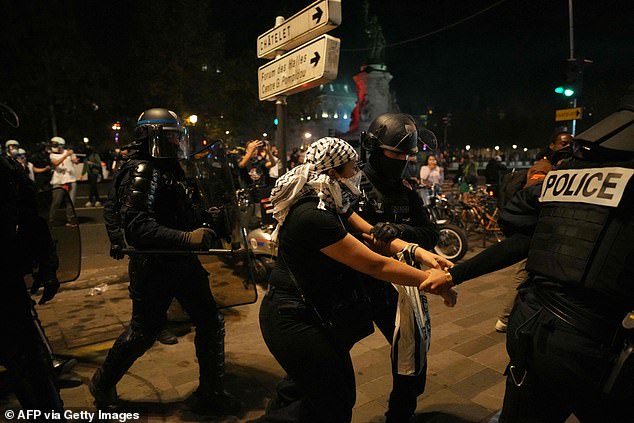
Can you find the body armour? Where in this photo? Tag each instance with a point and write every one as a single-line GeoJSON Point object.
{"type": "Point", "coordinates": [392, 205]}
{"type": "Point", "coordinates": [585, 231]}
{"type": "Point", "coordinates": [158, 189]}
{"type": "Point", "coordinates": [395, 202]}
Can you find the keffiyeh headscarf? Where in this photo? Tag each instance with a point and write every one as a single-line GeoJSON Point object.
{"type": "Point", "coordinates": [321, 156]}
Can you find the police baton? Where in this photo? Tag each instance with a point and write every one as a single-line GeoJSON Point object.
{"type": "Point", "coordinates": [209, 252]}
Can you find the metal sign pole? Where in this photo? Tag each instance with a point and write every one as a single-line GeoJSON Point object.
{"type": "Point", "coordinates": [280, 133]}
{"type": "Point", "coordinates": [313, 59]}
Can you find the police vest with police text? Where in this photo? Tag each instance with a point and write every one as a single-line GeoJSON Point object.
{"type": "Point", "coordinates": [585, 233]}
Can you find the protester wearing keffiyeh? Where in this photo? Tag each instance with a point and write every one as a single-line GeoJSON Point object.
{"type": "Point", "coordinates": [335, 195]}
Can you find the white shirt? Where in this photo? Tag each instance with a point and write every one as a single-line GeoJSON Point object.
{"type": "Point", "coordinates": [431, 176]}
{"type": "Point", "coordinates": [29, 167]}
{"type": "Point", "coordinates": [63, 173]}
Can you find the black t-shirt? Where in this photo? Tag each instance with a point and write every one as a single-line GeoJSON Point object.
{"type": "Point", "coordinates": [305, 231]}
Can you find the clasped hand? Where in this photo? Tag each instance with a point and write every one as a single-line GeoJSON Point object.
{"type": "Point", "coordinates": [423, 256]}
{"type": "Point", "coordinates": [438, 283]}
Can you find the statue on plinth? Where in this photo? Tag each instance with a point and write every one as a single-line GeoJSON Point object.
{"type": "Point", "coordinates": [373, 81]}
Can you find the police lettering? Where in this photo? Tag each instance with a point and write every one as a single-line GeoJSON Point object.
{"type": "Point", "coordinates": [602, 186]}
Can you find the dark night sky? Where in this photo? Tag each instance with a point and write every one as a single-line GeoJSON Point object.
{"type": "Point", "coordinates": [507, 57]}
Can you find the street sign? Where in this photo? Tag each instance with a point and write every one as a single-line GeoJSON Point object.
{"type": "Point", "coordinates": [305, 67]}
{"type": "Point", "coordinates": [568, 114]}
{"type": "Point", "coordinates": [314, 20]}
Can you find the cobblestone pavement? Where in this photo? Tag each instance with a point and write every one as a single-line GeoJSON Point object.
{"type": "Point", "coordinates": [465, 363]}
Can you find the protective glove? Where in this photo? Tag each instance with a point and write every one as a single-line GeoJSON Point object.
{"type": "Point", "coordinates": [51, 286]}
{"type": "Point", "coordinates": [116, 251]}
{"type": "Point", "coordinates": [215, 216]}
{"type": "Point", "coordinates": [385, 232]}
{"type": "Point", "coordinates": [199, 238]}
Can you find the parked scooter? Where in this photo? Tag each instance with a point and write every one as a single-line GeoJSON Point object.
{"type": "Point", "coordinates": [263, 249]}
{"type": "Point", "coordinates": [453, 242]}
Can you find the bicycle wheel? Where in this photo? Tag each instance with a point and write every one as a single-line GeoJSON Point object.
{"type": "Point", "coordinates": [453, 243]}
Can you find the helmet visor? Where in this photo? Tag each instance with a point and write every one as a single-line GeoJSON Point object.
{"type": "Point", "coordinates": [168, 142]}
{"type": "Point", "coordinates": [405, 143]}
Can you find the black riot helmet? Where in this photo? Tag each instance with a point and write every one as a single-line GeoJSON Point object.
{"type": "Point", "coordinates": [612, 137]}
{"type": "Point", "coordinates": [162, 133]}
{"type": "Point", "coordinates": [390, 131]}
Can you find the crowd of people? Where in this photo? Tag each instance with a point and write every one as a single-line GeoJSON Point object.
{"type": "Point", "coordinates": [354, 253]}
{"type": "Point", "coordinates": [52, 166]}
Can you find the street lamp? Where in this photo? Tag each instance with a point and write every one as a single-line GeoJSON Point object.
{"type": "Point", "coordinates": [307, 135]}
{"type": "Point", "coordinates": [193, 119]}
{"type": "Point", "coordinates": [496, 148]}
{"type": "Point", "coordinates": [227, 132]}
{"type": "Point", "coordinates": [467, 147]}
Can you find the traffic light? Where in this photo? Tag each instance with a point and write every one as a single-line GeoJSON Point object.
{"type": "Point", "coordinates": [566, 91]}
{"type": "Point", "coordinates": [275, 121]}
{"type": "Point", "coordinates": [572, 77]}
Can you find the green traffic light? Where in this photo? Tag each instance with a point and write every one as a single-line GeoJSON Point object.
{"type": "Point", "coordinates": [559, 90]}
{"type": "Point", "coordinates": [568, 92]}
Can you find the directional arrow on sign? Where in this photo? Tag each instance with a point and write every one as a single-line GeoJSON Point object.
{"type": "Point", "coordinates": [309, 65]}
{"type": "Point", "coordinates": [312, 21]}
{"type": "Point", "coordinates": [568, 114]}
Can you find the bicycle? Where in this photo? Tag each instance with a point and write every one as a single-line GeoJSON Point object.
{"type": "Point", "coordinates": [479, 215]}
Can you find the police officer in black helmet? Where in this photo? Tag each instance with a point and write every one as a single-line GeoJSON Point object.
{"type": "Point", "coordinates": [28, 243]}
{"type": "Point", "coordinates": [148, 208]}
{"type": "Point", "coordinates": [396, 211]}
{"type": "Point", "coordinates": [570, 335]}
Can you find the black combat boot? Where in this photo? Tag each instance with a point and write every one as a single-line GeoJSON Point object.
{"type": "Point", "coordinates": [167, 337]}
{"type": "Point", "coordinates": [211, 397]}
{"type": "Point", "coordinates": [206, 402]}
{"type": "Point", "coordinates": [105, 396]}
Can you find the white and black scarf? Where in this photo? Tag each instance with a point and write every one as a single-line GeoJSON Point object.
{"type": "Point", "coordinates": [321, 156]}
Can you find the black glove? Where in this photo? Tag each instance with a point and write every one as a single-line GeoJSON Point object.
{"type": "Point", "coordinates": [199, 238]}
{"type": "Point", "coordinates": [51, 286]}
{"type": "Point", "coordinates": [385, 232]}
{"type": "Point", "coordinates": [216, 217]}
{"type": "Point", "coordinates": [116, 251]}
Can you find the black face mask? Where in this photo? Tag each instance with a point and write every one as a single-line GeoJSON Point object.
{"type": "Point", "coordinates": [557, 156]}
{"type": "Point", "coordinates": [390, 168]}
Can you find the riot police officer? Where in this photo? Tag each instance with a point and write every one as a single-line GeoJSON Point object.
{"type": "Point", "coordinates": [149, 208]}
{"type": "Point", "coordinates": [27, 242]}
{"type": "Point", "coordinates": [568, 338]}
{"type": "Point", "coordinates": [395, 210]}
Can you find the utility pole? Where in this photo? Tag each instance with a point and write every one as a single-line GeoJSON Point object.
{"type": "Point", "coordinates": [447, 122]}
{"type": "Point", "coordinates": [571, 33]}
{"type": "Point", "coordinates": [280, 113]}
